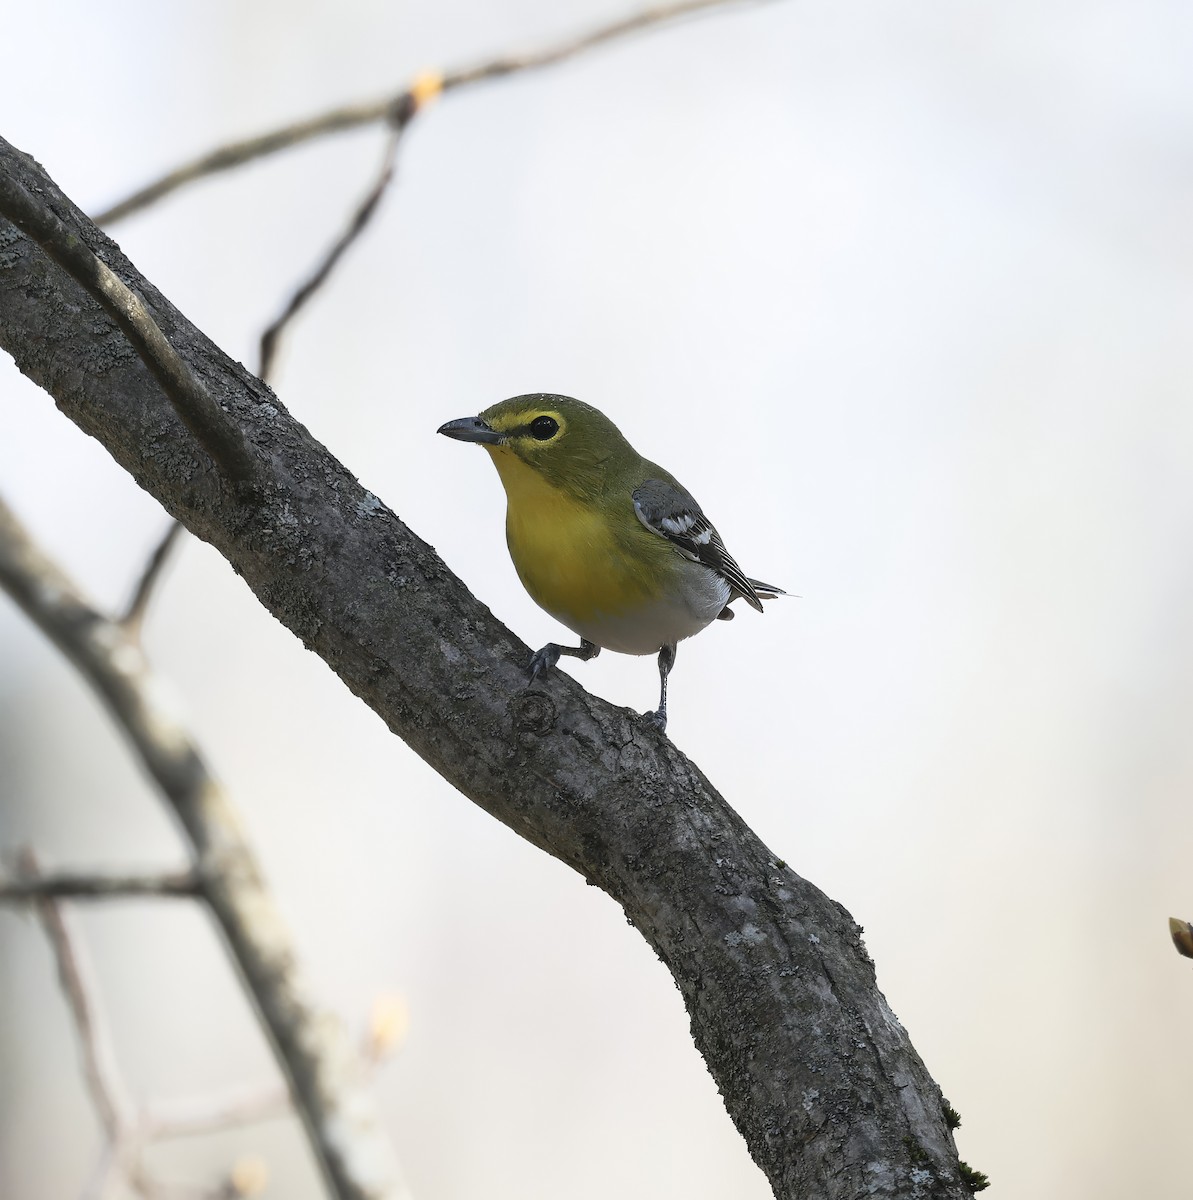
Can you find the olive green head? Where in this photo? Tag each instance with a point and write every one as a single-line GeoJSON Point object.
{"type": "Point", "coordinates": [568, 442]}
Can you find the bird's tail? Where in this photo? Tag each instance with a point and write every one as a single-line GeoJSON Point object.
{"type": "Point", "coordinates": [766, 591]}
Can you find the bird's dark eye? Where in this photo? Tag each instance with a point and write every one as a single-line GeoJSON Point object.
{"type": "Point", "coordinates": [544, 428]}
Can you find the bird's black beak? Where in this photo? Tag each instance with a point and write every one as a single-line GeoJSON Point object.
{"type": "Point", "coordinates": [471, 429]}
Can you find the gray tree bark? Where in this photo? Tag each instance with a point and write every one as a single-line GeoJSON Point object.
{"type": "Point", "coordinates": [814, 1068]}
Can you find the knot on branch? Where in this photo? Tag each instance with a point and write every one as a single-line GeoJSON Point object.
{"type": "Point", "coordinates": [533, 712]}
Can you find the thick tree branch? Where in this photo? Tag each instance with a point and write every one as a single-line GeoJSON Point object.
{"type": "Point", "coordinates": [353, 116]}
{"type": "Point", "coordinates": [191, 400]}
{"type": "Point", "coordinates": [357, 223]}
{"type": "Point", "coordinates": [815, 1070]}
{"type": "Point", "coordinates": [325, 1075]}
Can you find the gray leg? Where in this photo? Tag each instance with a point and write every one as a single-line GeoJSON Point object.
{"type": "Point", "coordinates": [658, 718]}
{"type": "Point", "coordinates": [548, 656]}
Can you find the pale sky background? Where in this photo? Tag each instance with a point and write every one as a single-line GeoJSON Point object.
{"type": "Point", "coordinates": [904, 293]}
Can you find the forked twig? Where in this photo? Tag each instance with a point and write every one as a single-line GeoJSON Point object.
{"type": "Point", "coordinates": [353, 116]}
{"type": "Point", "coordinates": [325, 1076]}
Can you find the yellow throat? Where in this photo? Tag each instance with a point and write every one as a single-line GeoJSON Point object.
{"type": "Point", "coordinates": [569, 557]}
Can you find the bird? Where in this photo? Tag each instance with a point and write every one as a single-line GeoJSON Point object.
{"type": "Point", "coordinates": [614, 547]}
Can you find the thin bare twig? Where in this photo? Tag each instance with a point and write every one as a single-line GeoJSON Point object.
{"type": "Point", "coordinates": [245, 1105]}
{"type": "Point", "coordinates": [219, 436]}
{"type": "Point", "coordinates": [74, 885]}
{"type": "Point", "coordinates": [549, 56]}
{"type": "Point", "coordinates": [326, 1078]}
{"type": "Point", "coordinates": [353, 116]}
{"type": "Point", "coordinates": [101, 1075]}
{"type": "Point", "coordinates": [105, 1172]}
{"type": "Point", "coordinates": [134, 615]}
{"type": "Point", "coordinates": [236, 154]}
{"type": "Point", "coordinates": [100, 1072]}
{"type": "Point", "coordinates": [356, 225]}
{"type": "Point", "coordinates": [209, 1114]}
{"type": "Point", "coordinates": [126, 1130]}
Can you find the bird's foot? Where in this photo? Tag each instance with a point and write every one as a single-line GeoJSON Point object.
{"type": "Point", "coordinates": [656, 720]}
{"type": "Point", "coordinates": [544, 660]}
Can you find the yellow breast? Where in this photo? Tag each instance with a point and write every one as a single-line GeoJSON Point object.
{"type": "Point", "coordinates": [567, 554]}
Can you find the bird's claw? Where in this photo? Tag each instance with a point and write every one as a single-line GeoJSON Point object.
{"type": "Point", "coordinates": [543, 661]}
{"type": "Point", "coordinates": [656, 720]}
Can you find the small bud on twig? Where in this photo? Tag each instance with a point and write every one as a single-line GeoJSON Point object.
{"type": "Point", "coordinates": [389, 1024]}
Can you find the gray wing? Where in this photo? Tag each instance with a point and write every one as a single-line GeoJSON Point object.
{"type": "Point", "coordinates": [670, 511]}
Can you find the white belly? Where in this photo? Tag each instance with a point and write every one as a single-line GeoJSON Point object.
{"type": "Point", "coordinates": [647, 629]}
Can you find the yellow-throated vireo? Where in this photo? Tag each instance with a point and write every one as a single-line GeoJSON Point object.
{"type": "Point", "coordinates": [611, 545]}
